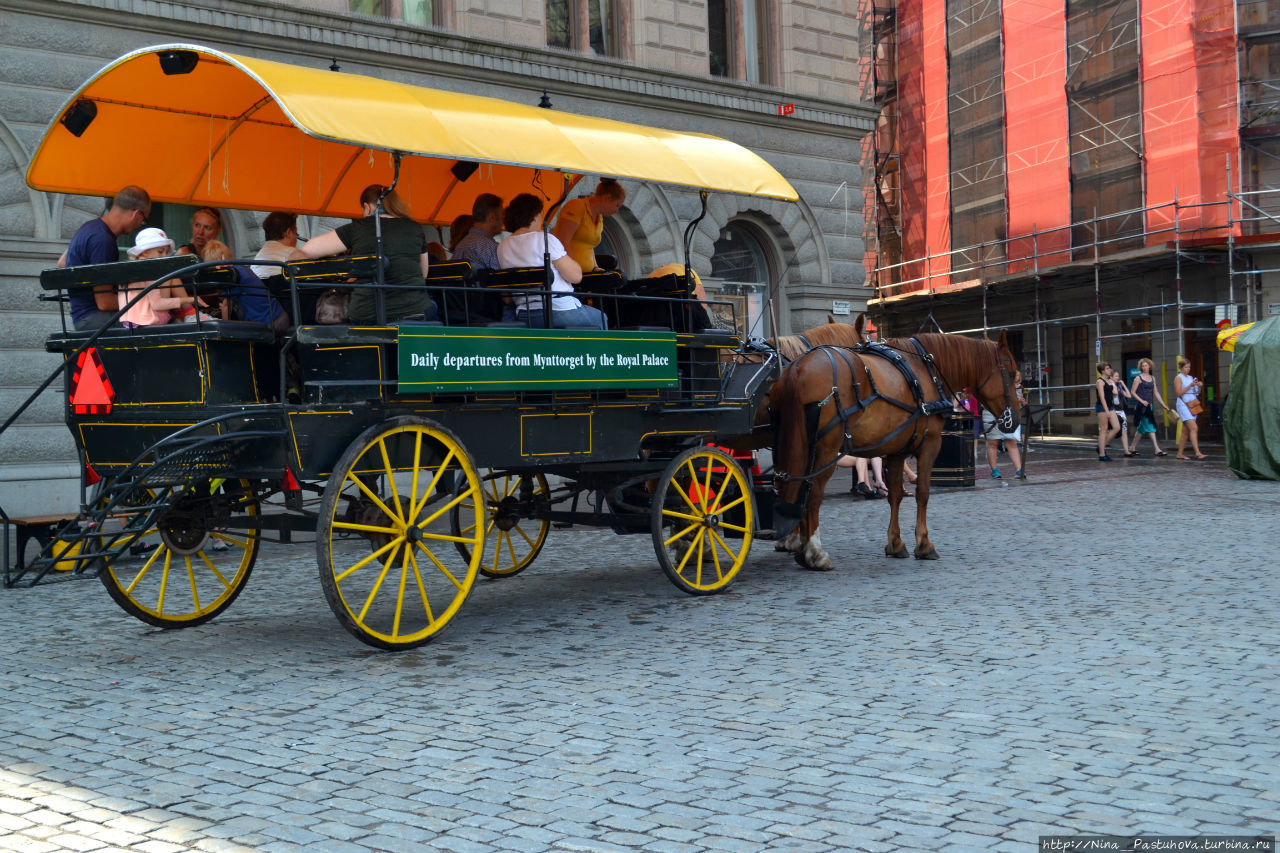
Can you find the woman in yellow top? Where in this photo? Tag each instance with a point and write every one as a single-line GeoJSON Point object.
{"type": "Point", "coordinates": [581, 221]}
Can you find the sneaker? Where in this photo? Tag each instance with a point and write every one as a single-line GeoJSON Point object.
{"type": "Point", "coordinates": [1019, 474]}
{"type": "Point", "coordinates": [1104, 458]}
{"type": "Point", "coordinates": [138, 549]}
{"type": "Point", "coordinates": [995, 473]}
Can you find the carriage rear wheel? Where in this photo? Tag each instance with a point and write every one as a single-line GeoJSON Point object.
{"type": "Point", "coordinates": [400, 578]}
{"type": "Point", "coordinates": [513, 538]}
{"type": "Point", "coordinates": [703, 520]}
{"type": "Point", "coordinates": [193, 561]}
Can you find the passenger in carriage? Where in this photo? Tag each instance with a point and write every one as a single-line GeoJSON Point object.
{"type": "Point", "coordinates": [580, 223]}
{"type": "Point", "coordinates": [403, 244]}
{"type": "Point", "coordinates": [95, 243]}
{"type": "Point", "coordinates": [163, 305]}
{"type": "Point", "coordinates": [206, 225]}
{"type": "Point", "coordinates": [247, 298]}
{"type": "Point", "coordinates": [525, 248]}
{"type": "Point", "coordinates": [281, 232]}
{"type": "Point", "coordinates": [478, 246]}
{"type": "Point", "coordinates": [460, 227]}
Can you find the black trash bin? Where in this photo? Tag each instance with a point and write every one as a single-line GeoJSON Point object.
{"type": "Point", "coordinates": [954, 466]}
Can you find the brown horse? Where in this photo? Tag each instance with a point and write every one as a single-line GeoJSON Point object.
{"type": "Point", "coordinates": [876, 400]}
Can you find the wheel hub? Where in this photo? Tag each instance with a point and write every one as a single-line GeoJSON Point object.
{"type": "Point", "coordinates": [185, 526]}
{"type": "Point", "coordinates": [371, 514]}
{"type": "Point", "coordinates": [506, 514]}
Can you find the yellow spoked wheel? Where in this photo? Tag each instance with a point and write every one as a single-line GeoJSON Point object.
{"type": "Point", "coordinates": [198, 556]}
{"type": "Point", "coordinates": [703, 520]}
{"type": "Point", "coordinates": [512, 537]}
{"type": "Point", "coordinates": [391, 564]}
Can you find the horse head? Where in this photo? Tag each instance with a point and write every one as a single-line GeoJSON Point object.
{"type": "Point", "coordinates": [995, 391]}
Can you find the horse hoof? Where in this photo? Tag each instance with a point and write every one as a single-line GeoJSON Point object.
{"type": "Point", "coordinates": [900, 553]}
{"type": "Point", "coordinates": [826, 567]}
{"type": "Point", "coordinates": [928, 554]}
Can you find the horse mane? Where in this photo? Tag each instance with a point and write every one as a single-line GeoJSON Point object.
{"type": "Point", "coordinates": [790, 347]}
{"type": "Point", "coordinates": [964, 361]}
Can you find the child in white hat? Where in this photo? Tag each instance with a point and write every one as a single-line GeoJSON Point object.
{"type": "Point", "coordinates": [162, 305]}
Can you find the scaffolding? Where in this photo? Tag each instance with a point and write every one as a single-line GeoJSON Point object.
{"type": "Point", "coordinates": [878, 78]}
{"type": "Point", "coordinates": [1137, 300]}
{"type": "Point", "coordinates": [1124, 235]}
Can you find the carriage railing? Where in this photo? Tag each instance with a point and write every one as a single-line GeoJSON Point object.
{"type": "Point", "coordinates": [643, 304]}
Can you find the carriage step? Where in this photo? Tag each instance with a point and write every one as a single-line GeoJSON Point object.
{"type": "Point", "coordinates": [63, 539]}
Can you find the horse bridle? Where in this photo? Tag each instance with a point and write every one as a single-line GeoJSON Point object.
{"type": "Point", "coordinates": [1006, 420]}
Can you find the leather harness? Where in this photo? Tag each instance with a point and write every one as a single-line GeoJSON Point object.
{"type": "Point", "coordinates": [917, 407]}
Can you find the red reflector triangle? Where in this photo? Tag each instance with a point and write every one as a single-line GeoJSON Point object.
{"type": "Point", "coordinates": [91, 392]}
{"type": "Point", "coordinates": [291, 483]}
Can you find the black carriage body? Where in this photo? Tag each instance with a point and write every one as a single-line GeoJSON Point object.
{"type": "Point", "coordinates": [350, 379]}
{"type": "Point", "coordinates": [223, 381]}
{"type": "Point", "coordinates": [215, 384]}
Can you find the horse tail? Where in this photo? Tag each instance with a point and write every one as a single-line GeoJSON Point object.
{"type": "Point", "coordinates": [791, 444]}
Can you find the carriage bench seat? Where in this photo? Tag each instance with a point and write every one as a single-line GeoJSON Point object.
{"type": "Point", "coordinates": [216, 330]}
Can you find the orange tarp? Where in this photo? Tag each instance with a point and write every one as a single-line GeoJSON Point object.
{"type": "Point", "coordinates": [925, 174]}
{"type": "Point", "coordinates": [1189, 111]}
{"type": "Point", "coordinates": [1038, 169]}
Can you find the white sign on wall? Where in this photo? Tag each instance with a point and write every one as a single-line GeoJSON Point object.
{"type": "Point", "coordinates": [1273, 308]}
{"type": "Point", "coordinates": [841, 307]}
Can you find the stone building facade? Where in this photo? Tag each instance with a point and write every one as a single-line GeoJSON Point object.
{"type": "Point", "coordinates": [778, 76]}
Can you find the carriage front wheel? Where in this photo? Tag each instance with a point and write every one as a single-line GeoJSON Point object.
{"type": "Point", "coordinates": [387, 544]}
{"type": "Point", "coordinates": [703, 520]}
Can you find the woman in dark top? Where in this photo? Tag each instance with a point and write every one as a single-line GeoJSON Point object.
{"type": "Point", "coordinates": [403, 244]}
{"type": "Point", "coordinates": [1145, 391]}
{"type": "Point", "coordinates": [1105, 405]}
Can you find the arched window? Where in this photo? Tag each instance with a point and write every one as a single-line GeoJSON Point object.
{"type": "Point", "coordinates": [739, 257]}
{"type": "Point", "coordinates": [741, 270]}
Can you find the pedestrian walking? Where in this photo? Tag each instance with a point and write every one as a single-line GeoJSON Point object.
{"type": "Point", "coordinates": [1186, 391]}
{"type": "Point", "coordinates": [1104, 405]}
{"type": "Point", "coordinates": [1146, 394]}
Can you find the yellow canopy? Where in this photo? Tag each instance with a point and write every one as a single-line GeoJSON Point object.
{"type": "Point", "coordinates": [193, 125]}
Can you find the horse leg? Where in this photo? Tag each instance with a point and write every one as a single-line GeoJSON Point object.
{"type": "Point", "coordinates": [925, 457]}
{"type": "Point", "coordinates": [811, 555]}
{"type": "Point", "coordinates": [895, 546]}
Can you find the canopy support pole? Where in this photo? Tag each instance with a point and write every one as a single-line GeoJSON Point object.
{"type": "Point", "coordinates": [547, 278]}
{"type": "Point", "coordinates": [379, 276]}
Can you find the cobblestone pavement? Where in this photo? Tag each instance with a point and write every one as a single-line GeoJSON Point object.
{"type": "Point", "coordinates": [1096, 651]}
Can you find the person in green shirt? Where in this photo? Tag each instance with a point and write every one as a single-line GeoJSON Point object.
{"type": "Point", "coordinates": [404, 245]}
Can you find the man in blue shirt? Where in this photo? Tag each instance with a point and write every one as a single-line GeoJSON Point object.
{"type": "Point", "coordinates": [95, 243]}
{"type": "Point", "coordinates": [478, 246]}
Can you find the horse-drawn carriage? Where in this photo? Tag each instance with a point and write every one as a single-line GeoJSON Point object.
{"type": "Point", "coordinates": [420, 454]}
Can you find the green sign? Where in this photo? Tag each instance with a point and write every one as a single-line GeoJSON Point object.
{"type": "Point", "coordinates": [437, 359]}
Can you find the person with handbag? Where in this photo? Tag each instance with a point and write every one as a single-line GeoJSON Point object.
{"type": "Point", "coordinates": [1186, 390]}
